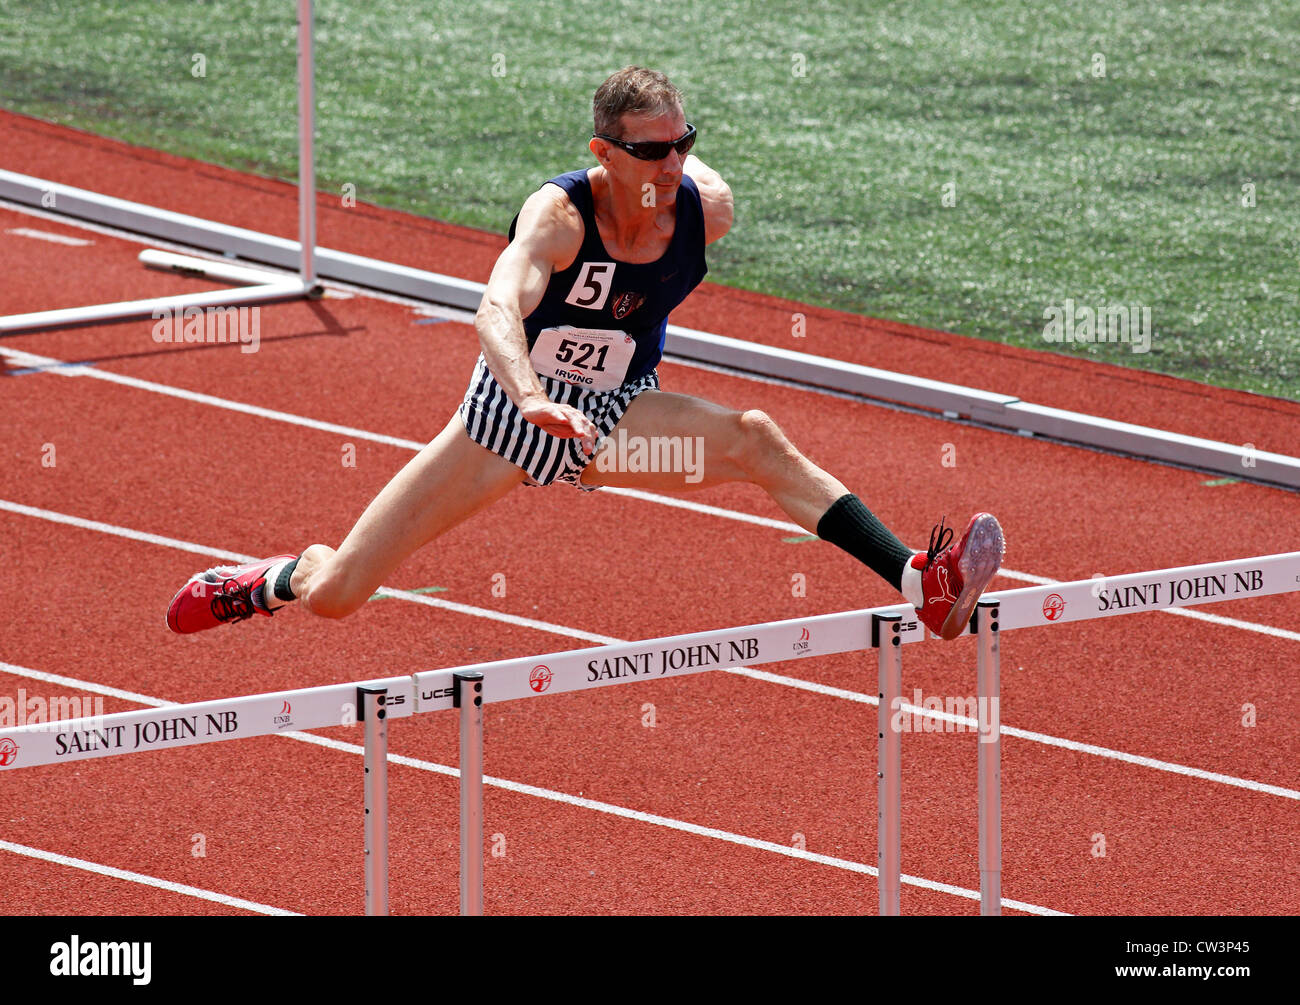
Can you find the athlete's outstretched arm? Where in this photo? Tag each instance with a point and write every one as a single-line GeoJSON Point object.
{"type": "Point", "coordinates": [549, 232]}
{"type": "Point", "coordinates": [715, 196]}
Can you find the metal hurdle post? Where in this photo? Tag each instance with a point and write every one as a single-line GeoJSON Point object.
{"type": "Point", "coordinates": [889, 781]}
{"type": "Point", "coordinates": [469, 699]}
{"type": "Point", "coordinates": [989, 713]}
{"type": "Point", "coordinates": [371, 701]}
{"type": "Point", "coordinates": [306, 146]}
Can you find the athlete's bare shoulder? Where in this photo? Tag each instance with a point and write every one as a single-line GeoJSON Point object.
{"type": "Point", "coordinates": [715, 198]}
{"type": "Point", "coordinates": [550, 227]}
{"type": "Point", "coordinates": [547, 238]}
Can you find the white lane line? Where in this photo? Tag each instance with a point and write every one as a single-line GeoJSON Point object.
{"type": "Point", "coordinates": [1219, 619]}
{"type": "Point", "coordinates": [578, 633]}
{"type": "Point", "coordinates": [45, 235]}
{"type": "Point", "coordinates": [30, 361]}
{"type": "Point", "coordinates": [1151, 762]}
{"type": "Point", "coordinates": [63, 368]}
{"type": "Point", "coordinates": [694, 507]}
{"type": "Point", "coordinates": [509, 619]}
{"type": "Point", "coordinates": [143, 880]}
{"type": "Point", "coordinates": [82, 685]}
{"type": "Point", "coordinates": [126, 532]}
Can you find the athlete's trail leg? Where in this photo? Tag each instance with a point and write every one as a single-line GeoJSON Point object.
{"type": "Point", "coordinates": [737, 446]}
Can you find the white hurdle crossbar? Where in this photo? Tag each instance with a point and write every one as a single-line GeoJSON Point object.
{"type": "Point", "coordinates": [886, 629]}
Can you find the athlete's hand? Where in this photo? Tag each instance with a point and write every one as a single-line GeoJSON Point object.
{"type": "Point", "coordinates": [560, 420]}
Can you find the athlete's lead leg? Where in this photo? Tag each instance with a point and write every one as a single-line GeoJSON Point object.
{"type": "Point", "coordinates": [445, 483]}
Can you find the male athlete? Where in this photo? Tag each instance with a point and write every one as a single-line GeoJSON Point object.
{"type": "Point", "coordinates": [571, 328]}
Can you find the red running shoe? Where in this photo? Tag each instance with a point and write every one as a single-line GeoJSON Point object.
{"type": "Point", "coordinates": [220, 596]}
{"type": "Point", "coordinates": [954, 576]}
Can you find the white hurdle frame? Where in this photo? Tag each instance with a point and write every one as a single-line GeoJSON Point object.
{"type": "Point", "coordinates": [889, 768]}
{"type": "Point", "coordinates": [371, 702]}
{"type": "Point", "coordinates": [470, 688]}
{"type": "Point", "coordinates": [306, 145]}
{"type": "Point", "coordinates": [265, 287]}
{"type": "Point", "coordinates": [988, 696]}
{"type": "Point", "coordinates": [469, 699]}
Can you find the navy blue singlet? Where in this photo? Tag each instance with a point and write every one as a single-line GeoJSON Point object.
{"type": "Point", "coordinates": [597, 291]}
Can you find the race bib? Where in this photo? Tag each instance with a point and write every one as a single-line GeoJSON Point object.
{"type": "Point", "coordinates": [595, 358]}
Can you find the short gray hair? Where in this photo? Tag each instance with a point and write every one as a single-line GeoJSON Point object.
{"type": "Point", "coordinates": [632, 90]}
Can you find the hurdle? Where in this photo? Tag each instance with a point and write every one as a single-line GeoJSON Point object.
{"type": "Point", "coordinates": [254, 286]}
{"type": "Point", "coordinates": [884, 629]}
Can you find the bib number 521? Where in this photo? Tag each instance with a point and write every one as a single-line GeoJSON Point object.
{"type": "Point", "coordinates": [579, 353]}
{"type": "Point", "coordinates": [595, 358]}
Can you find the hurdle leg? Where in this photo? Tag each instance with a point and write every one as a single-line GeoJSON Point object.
{"type": "Point", "coordinates": [889, 783]}
{"type": "Point", "coordinates": [371, 701]}
{"type": "Point", "coordinates": [469, 699]}
{"type": "Point", "coordinates": [989, 712]}
{"type": "Point", "coordinates": [306, 145]}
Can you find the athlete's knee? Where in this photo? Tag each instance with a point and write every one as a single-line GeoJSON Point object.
{"type": "Point", "coordinates": [755, 437]}
{"type": "Point", "coordinates": [329, 594]}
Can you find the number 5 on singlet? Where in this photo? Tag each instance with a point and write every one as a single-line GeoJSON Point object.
{"type": "Point", "coordinates": [591, 288]}
{"type": "Point", "coordinates": [595, 358]}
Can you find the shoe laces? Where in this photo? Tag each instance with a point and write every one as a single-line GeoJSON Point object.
{"type": "Point", "coordinates": [232, 602]}
{"type": "Point", "coordinates": [940, 539]}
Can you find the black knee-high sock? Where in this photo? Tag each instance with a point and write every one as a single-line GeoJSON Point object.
{"type": "Point", "coordinates": [848, 524]}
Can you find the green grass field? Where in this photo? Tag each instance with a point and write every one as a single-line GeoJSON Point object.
{"type": "Point", "coordinates": [1138, 154]}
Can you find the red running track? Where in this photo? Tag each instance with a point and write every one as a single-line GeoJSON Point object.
{"type": "Point", "coordinates": [734, 761]}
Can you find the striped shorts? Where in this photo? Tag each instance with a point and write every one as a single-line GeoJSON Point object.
{"type": "Point", "coordinates": [492, 420]}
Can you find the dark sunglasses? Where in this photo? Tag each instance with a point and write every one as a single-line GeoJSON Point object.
{"type": "Point", "coordinates": [654, 150]}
